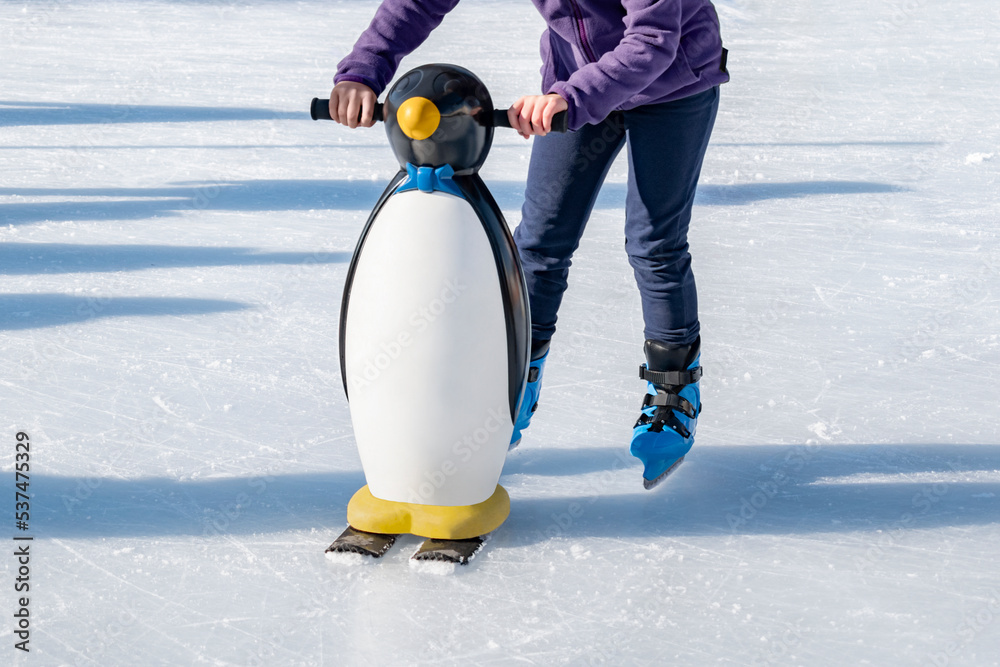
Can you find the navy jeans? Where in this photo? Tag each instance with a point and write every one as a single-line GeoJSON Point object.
{"type": "Point", "coordinates": [666, 145]}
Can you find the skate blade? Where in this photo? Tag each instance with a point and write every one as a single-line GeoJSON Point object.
{"type": "Point", "coordinates": [353, 541]}
{"type": "Point", "coordinates": [649, 484]}
{"type": "Point", "coordinates": [458, 552]}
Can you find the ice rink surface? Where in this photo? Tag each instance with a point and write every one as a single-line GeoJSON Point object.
{"type": "Point", "coordinates": [174, 237]}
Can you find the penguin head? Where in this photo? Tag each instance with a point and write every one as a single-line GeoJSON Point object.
{"type": "Point", "coordinates": [436, 115]}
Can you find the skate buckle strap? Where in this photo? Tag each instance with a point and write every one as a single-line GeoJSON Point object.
{"type": "Point", "coordinates": [673, 401]}
{"type": "Point", "coordinates": [662, 417]}
{"type": "Point", "coordinates": [689, 376]}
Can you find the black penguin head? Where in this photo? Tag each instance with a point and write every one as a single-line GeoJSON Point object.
{"type": "Point", "coordinates": [433, 117]}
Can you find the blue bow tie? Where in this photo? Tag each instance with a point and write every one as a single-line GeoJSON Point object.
{"type": "Point", "coordinates": [429, 179]}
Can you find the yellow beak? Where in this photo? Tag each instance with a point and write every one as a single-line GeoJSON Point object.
{"type": "Point", "coordinates": [418, 117]}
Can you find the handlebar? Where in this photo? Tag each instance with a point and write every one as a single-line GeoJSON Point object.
{"type": "Point", "coordinates": [560, 122]}
{"type": "Point", "coordinates": [320, 110]}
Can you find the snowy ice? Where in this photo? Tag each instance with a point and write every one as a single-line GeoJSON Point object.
{"type": "Point", "coordinates": [174, 236]}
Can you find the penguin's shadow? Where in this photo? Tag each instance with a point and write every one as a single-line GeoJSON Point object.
{"type": "Point", "coordinates": [575, 494]}
{"type": "Point", "coordinates": [753, 489]}
{"type": "Point", "coordinates": [93, 506]}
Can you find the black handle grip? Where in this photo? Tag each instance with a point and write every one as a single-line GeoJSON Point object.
{"type": "Point", "coordinates": [560, 122]}
{"type": "Point", "coordinates": [320, 110]}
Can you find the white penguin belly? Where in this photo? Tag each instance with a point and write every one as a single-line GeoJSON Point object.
{"type": "Point", "coordinates": [426, 355]}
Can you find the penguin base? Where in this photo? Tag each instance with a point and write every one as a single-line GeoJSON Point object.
{"type": "Point", "coordinates": [374, 515]}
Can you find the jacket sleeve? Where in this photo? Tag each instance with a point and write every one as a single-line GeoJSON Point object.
{"type": "Point", "coordinates": [398, 27]}
{"type": "Point", "coordinates": [647, 49]}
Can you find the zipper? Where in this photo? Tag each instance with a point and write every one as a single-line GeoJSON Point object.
{"type": "Point", "coordinates": [582, 32]}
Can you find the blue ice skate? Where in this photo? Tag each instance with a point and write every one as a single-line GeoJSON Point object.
{"type": "Point", "coordinates": [665, 430]}
{"type": "Point", "coordinates": [529, 403]}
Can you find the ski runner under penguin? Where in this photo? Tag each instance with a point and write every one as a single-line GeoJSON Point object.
{"type": "Point", "coordinates": [645, 73]}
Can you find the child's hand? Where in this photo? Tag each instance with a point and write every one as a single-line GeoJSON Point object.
{"type": "Point", "coordinates": [532, 114]}
{"type": "Point", "coordinates": [352, 104]}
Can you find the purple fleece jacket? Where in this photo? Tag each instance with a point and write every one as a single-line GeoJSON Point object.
{"type": "Point", "coordinates": [600, 55]}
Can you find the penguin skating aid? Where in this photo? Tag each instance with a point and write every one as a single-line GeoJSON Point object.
{"type": "Point", "coordinates": [434, 329]}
